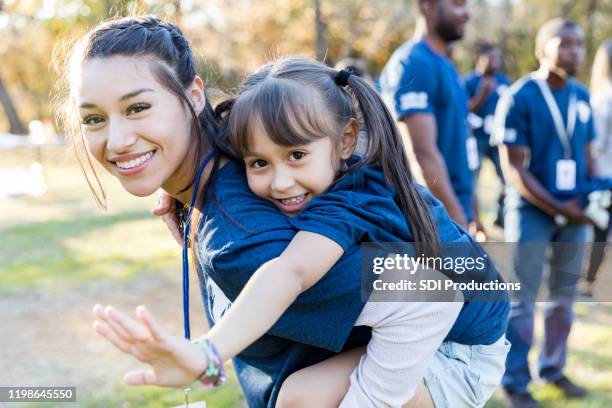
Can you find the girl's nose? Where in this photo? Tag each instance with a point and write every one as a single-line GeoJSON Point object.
{"type": "Point", "coordinates": [282, 181]}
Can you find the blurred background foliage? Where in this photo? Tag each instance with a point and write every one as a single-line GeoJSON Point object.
{"type": "Point", "coordinates": [233, 37]}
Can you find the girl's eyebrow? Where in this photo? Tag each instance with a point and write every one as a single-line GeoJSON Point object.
{"type": "Point", "coordinates": [127, 96]}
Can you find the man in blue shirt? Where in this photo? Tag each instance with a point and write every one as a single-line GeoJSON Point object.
{"type": "Point", "coordinates": [544, 122]}
{"type": "Point", "coordinates": [423, 90]}
{"type": "Point", "coordinates": [484, 86]}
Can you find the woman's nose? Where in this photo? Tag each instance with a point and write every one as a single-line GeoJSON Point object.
{"type": "Point", "coordinates": [120, 138]}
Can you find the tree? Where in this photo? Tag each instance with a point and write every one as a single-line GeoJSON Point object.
{"type": "Point", "coordinates": [16, 126]}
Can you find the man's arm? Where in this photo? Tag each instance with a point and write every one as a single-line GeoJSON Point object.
{"type": "Point", "coordinates": [486, 86]}
{"type": "Point", "coordinates": [512, 158]}
{"type": "Point", "coordinates": [423, 133]}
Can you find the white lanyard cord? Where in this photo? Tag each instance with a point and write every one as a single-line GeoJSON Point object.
{"type": "Point", "coordinates": [564, 134]}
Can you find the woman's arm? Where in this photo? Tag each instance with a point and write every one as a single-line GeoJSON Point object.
{"type": "Point", "coordinates": [272, 289]}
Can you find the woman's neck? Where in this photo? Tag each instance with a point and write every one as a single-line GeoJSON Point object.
{"type": "Point", "coordinates": [185, 196]}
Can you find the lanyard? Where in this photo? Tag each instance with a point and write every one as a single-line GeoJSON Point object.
{"type": "Point", "coordinates": [186, 227]}
{"type": "Point", "coordinates": [563, 133]}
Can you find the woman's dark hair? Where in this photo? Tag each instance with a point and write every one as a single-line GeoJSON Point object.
{"type": "Point", "coordinates": [297, 101]}
{"type": "Point", "coordinates": [171, 62]}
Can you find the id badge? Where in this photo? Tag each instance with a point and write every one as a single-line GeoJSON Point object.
{"type": "Point", "coordinates": [566, 174]}
{"type": "Point", "coordinates": [472, 153]}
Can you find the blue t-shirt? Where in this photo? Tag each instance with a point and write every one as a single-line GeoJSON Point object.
{"type": "Point", "coordinates": [361, 207]}
{"type": "Point", "coordinates": [487, 110]}
{"type": "Point", "coordinates": [523, 119]}
{"type": "Point", "coordinates": [240, 232]}
{"type": "Point", "coordinates": [418, 80]}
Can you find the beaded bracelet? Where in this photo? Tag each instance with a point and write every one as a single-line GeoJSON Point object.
{"type": "Point", "coordinates": [214, 367]}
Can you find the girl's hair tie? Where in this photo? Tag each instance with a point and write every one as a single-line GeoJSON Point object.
{"type": "Point", "coordinates": [342, 77]}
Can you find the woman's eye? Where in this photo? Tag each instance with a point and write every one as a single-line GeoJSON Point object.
{"type": "Point", "coordinates": [258, 164]}
{"type": "Point", "coordinates": [294, 156]}
{"type": "Point", "coordinates": [137, 107]}
{"type": "Point", "coordinates": [92, 120]}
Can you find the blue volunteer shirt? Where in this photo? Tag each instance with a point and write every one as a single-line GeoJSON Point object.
{"type": "Point", "coordinates": [240, 232]}
{"type": "Point", "coordinates": [419, 80]}
{"type": "Point", "coordinates": [487, 110]}
{"type": "Point", "coordinates": [523, 119]}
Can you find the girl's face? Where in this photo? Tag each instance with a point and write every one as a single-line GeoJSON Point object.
{"type": "Point", "coordinates": [289, 176]}
{"type": "Point", "coordinates": [136, 129]}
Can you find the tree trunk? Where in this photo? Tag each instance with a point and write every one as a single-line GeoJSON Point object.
{"type": "Point", "coordinates": [16, 125]}
{"type": "Point", "coordinates": [590, 40]}
{"type": "Point", "coordinates": [321, 48]}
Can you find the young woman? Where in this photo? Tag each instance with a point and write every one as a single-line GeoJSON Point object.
{"type": "Point", "coordinates": [142, 110]}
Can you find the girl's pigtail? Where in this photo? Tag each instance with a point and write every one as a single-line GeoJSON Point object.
{"type": "Point", "coordinates": [385, 147]}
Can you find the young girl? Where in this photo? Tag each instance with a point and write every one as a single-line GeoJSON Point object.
{"type": "Point", "coordinates": [128, 81]}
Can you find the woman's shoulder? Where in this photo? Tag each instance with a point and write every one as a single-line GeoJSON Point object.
{"type": "Point", "coordinates": [231, 205]}
{"type": "Point", "coordinates": [601, 99]}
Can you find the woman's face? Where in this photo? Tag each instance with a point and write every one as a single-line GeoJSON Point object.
{"type": "Point", "coordinates": [135, 128]}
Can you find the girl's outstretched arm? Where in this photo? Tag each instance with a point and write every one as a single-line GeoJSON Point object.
{"type": "Point", "coordinates": [272, 289]}
{"type": "Point", "coordinates": [174, 360]}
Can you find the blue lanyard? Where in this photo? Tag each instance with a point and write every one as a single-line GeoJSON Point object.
{"type": "Point", "coordinates": [186, 227]}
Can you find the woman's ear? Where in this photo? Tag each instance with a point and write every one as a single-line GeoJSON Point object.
{"type": "Point", "coordinates": [348, 142]}
{"type": "Point", "coordinates": [195, 92]}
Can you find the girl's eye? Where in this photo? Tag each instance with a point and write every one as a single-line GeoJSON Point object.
{"type": "Point", "coordinates": [92, 120]}
{"type": "Point", "coordinates": [136, 108]}
{"type": "Point", "coordinates": [258, 164]}
{"type": "Point", "coordinates": [294, 156]}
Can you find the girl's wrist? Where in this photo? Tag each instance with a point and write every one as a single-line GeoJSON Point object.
{"type": "Point", "coordinates": [214, 371]}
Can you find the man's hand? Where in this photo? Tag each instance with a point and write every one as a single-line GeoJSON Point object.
{"type": "Point", "coordinates": [477, 230]}
{"type": "Point", "coordinates": [487, 85]}
{"type": "Point", "coordinates": [573, 212]}
{"type": "Point", "coordinates": [166, 209]}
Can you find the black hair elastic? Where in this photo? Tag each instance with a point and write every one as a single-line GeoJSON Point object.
{"type": "Point", "coordinates": [342, 77]}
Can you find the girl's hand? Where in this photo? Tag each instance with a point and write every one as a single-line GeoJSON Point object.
{"type": "Point", "coordinates": [174, 361]}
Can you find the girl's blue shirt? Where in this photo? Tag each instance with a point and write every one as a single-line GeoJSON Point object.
{"type": "Point", "coordinates": [240, 232]}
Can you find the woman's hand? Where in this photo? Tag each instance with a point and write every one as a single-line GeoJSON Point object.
{"type": "Point", "coordinates": [166, 209]}
{"type": "Point", "coordinates": [174, 361]}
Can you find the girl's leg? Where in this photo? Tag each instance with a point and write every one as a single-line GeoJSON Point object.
{"type": "Point", "coordinates": [323, 385]}
{"type": "Point", "coordinates": [405, 336]}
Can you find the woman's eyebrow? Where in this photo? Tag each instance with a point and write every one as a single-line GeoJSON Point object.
{"type": "Point", "coordinates": [135, 93]}
{"type": "Point", "coordinates": [86, 105]}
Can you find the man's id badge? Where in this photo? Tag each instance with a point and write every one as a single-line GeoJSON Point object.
{"type": "Point", "coordinates": [472, 153]}
{"type": "Point", "coordinates": [566, 174]}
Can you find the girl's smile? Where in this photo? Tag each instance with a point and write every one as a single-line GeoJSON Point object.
{"type": "Point", "coordinates": [293, 204]}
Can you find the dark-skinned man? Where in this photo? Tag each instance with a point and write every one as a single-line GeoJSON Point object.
{"type": "Point", "coordinates": [545, 126]}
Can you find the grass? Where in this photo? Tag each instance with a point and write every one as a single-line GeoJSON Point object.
{"type": "Point", "coordinates": [62, 240]}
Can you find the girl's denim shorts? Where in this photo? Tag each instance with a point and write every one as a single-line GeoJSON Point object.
{"type": "Point", "coordinates": [461, 375]}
